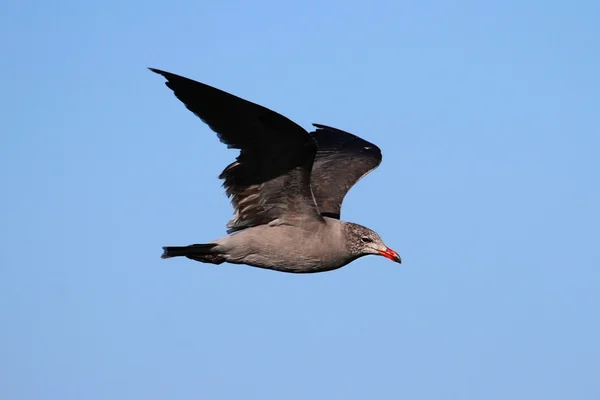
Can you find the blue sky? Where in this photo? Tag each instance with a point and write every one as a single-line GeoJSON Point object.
{"type": "Point", "coordinates": [487, 115]}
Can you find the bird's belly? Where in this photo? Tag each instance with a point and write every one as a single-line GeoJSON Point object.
{"type": "Point", "coordinates": [294, 265]}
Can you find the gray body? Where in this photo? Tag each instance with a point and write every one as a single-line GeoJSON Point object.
{"type": "Point", "coordinates": [286, 187]}
{"type": "Point", "coordinates": [284, 247]}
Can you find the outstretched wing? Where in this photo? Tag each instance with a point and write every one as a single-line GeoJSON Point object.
{"type": "Point", "coordinates": [270, 179]}
{"type": "Point", "coordinates": [342, 160]}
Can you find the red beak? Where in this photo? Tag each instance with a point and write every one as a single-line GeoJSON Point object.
{"type": "Point", "coordinates": [391, 254]}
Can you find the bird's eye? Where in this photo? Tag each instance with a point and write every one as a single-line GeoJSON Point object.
{"type": "Point", "coordinates": [366, 239]}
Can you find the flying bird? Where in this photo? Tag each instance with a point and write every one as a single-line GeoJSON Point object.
{"type": "Point", "coordinates": [286, 187]}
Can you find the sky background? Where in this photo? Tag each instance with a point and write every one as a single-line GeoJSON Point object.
{"type": "Point", "coordinates": [488, 117]}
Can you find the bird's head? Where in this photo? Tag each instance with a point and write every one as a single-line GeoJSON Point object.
{"type": "Point", "coordinates": [363, 241]}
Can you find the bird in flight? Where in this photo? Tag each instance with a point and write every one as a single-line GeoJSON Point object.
{"type": "Point", "coordinates": [286, 187]}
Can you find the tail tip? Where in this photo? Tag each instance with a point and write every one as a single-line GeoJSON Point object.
{"type": "Point", "coordinates": [165, 253]}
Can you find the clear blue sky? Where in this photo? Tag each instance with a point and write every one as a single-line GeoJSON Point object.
{"type": "Point", "coordinates": [488, 117]}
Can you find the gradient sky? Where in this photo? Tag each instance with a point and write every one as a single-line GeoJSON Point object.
{"type": "Point", "coordinates": [489, 121]}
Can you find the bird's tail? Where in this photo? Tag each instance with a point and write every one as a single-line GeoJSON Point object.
{"type": "Point", "coordinates": [198, 252]}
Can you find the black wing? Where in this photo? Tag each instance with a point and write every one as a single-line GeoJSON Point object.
{"type": "Point", "coordinates": [270, 179]}
{"type": "Point", "coordinates": [342, 160]}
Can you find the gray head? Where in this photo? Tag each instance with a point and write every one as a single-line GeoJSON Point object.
{"type": "Point", "coordinates": [363, 241]}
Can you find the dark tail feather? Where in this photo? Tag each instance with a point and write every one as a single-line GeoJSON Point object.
{"type": "Point", "coordinates": [198, 252]}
